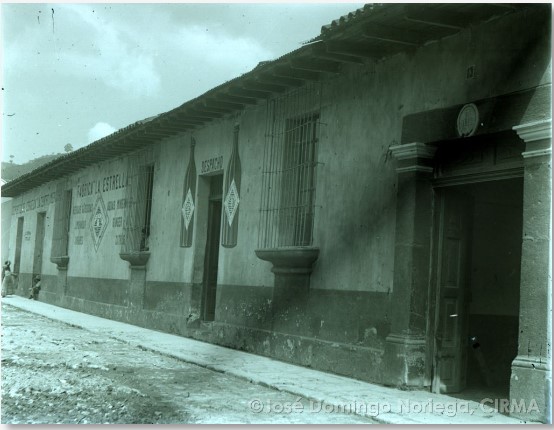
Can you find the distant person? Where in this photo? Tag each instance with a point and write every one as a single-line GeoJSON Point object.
{"type": "Point", "coordinates": [35, 289]}
{"type": "Point", "coordinates": [145, 239]}
{"type": "Point", "coordinates": [8, 282]}
{"type": "Point", "coordinates": [6, 267]}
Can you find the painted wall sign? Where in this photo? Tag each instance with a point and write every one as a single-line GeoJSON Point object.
{"type": "Point", "coordinates": [92, 205]}
{"type": "Point", "coordinates": [187, 208]}
{"type": "Point", "coordinates": [468, 120]}
{"type": "Point", "coordinates": [231, 190]}
{"type": "Point", "coordinates": [99, 221]}
{"type": "Point", "coordinates": [212, 165]}
{"type": "Point", "coordinates": [107, 183]}
{"type": "Point", "coordinates": [30, 205]}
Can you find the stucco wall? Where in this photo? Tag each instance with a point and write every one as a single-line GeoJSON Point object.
{"type": "Point", "coordinates": [41, 199]}
{"type": "Point", "coordinates": [6, 227]}
{"type": "Point", "coordinates": [362, 112]}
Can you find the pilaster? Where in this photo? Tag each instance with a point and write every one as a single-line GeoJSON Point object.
{"type": "Point", "coordinates": [531, 369]}
{"type": "Point", "coordinates": [405, 346]}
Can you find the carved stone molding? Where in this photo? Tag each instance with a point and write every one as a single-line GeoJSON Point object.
{"type": "Point", "coordinates": [61, 261]}
{"type": "Point", "coordinates": [414, 157]}
{"type": "Point", "coordinates": [413, 150]}
{"type": "Point", "coordinates": [135, 259]}
{"type": "Point", "coordinates": [536, 130]}
{"type": "Point", "coordinates": [293, 260]}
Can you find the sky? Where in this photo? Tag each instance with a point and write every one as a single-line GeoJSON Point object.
{"type": "Point", "coordinates": [74, 73]}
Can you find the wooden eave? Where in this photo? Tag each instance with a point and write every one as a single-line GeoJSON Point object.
{"type": "Point", "coordinates": [374, 32]}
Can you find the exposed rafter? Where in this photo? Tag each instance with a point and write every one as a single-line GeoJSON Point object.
{"type": "Point", "coordinates": [287, 72]}
{"type": "Point", "coordinates": [270, 87]}
{"type": "Point", "coordinates": [396, 36]}
{"type": "Point", "coordinates": [188, 120]}
{"type": "Point", "coordinates": [224, 105]}
{"type": "Point", "coordinates": [226, 97]}
{"type": "Point", "coordinates": [315, 65]}
{"type": "Point", "coordinates": [355, 49]}
{"type": "Point", "coordinates": [320, 51]}
{"type": "Point", "coordinates": [244, 92]}
{"type": "Point", "coordinates": [280, 80]}
{"type": "Point", "coordinates": [216, 112]}
{"type": "Point", "coordinates": [443, 19]}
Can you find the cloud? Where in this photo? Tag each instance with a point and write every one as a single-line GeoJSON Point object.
{"type": "Point", "coordinates": [83, 47]}
{"type": "Point", "coordinates": [113, 57]}
{"type": "Point", "coordinates": [100, 130]}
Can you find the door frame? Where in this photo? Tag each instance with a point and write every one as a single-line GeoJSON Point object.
{"type": "Point", "coordinates": [442, 186]}
{"type": "Point", "coordinates": [435, 289]}
{"type": "Point", "coordinates": [215, 196]}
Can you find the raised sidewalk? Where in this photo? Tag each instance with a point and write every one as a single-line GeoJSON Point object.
{"type": "Point", "coordinates": [382, 404]}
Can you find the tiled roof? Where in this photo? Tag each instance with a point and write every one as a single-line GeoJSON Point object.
{"type": "Point", "coordinates": [374, 31]}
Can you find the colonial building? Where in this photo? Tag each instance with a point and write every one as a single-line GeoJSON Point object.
{"type": "Point", "coordinates": [376, 204]}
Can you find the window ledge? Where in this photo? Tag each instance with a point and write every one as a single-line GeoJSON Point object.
{"type": "Point", "coordinates": [61, 261]}
{"type": "Point", "coordinates": [136, 259]}
{"type": "Point", "coordinates": [290, 260]}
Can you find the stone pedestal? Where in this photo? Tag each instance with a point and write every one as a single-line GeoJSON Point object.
{"type": "Point", "coordinates": [531, 369]}
{"type": "Point", "coordinates": [137, 281]}
{"type": "Point", "coordinates": [405, 348]}
{"type": "Point", "coordinates": [292, 268]}
{"type": "Point", "coordinates": [62, 262]}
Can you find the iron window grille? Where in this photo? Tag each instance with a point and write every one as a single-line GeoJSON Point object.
{"type": "Point", "coordinates": [288, 184]}
{"type": "Point", "coordinates": [137, 216]}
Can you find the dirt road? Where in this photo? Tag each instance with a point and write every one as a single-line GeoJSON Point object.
{"type": "Point", "coordinates": [54, 373]}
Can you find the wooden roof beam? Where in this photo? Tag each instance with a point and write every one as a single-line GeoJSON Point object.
{"type": "Point", "coordinates": [395, 36]}
{"type": "Point", "coordinates": [288, 72]}
{"type": "Point", "coordinates": [437, 18]}
{"type": "Point", "coordinates": [355, 49]}
{"type": "Point", "coordinates": [213, 112]}
{"type": "Point", "coordinates": [224, 105]}
{"type": "Point", "coordinates": [269, 87]}
{"type": "Point", "coordinates": [184, 118]}
{"type": "Point", "coordinates": [315, 65]}
{"type": "Point", "coordinates": [280, 81]}
{"type": "Point", "coordinates": [166, 125]}
{"type": "Point", "coordinates": [244, 92]}
{"type": "Point", "coordinates": [320, 51]}
{"type": "Point", "coordinates": [236, 99]}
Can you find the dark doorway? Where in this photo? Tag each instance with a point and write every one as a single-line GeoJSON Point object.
{"type": "Point", "coordinates": [212, 248]}
{"type": "Point", "coordinates": [488, 313]}
{"type": "Point", "coordinates": [18, 243]}
{"type": "Point", "coordinates": [39, 244]}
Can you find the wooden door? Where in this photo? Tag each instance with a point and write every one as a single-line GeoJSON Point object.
{"type": "Point", "coordinates": [452, 241]}
{"type": "Point", "coordinates": [211, 259]}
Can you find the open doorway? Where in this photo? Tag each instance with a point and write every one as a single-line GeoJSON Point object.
{"type": "Point", "coordinates": [477, 269]}
{"type": "Point", "coordinates": [211, 258]}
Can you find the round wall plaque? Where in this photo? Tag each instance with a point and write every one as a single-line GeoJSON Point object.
{"type": "Point", "coordinates": [468, 120]}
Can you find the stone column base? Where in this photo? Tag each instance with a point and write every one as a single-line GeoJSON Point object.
{"type": "Point", "coordinates": [530, 389]}
{"type": "Point", "coordinates": [292, 268]}
{"type": "Point", "coordinates": [62, 281]}
{"type": "Point", "coordinates": [136, 287]}
{"type": "Point", "coordinates": [404, 361]}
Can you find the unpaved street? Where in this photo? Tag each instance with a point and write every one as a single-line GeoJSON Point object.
{"type": "Point", "coordinates": [55, 373]}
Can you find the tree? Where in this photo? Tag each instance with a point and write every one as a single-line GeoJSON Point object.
{"type": "Point", "coordinates": [68, 147]}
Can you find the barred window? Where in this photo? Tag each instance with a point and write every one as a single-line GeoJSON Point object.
{"type": "Point", "coordinates": [288, 184]}
{"type": "Point", "coordinates": [138, 203]}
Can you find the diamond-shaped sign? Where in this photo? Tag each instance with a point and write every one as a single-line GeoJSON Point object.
{"type": "Point", "coordinates": [231, 202]}
{"type": "Point", "coordinates": [188, 209]}
{"type": "Point", "coordinates": [98, 222]}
